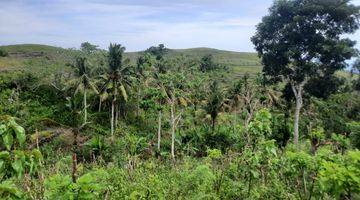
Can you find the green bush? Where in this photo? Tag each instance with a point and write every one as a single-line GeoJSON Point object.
{"type": "Point", "coordinates": [3, 53]}
{"type": "Point", "coordinates": [354, 134]}
{"type": "Point", "coordinates": [91, 185]}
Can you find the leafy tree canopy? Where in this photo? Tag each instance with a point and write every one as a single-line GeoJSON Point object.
{"type": "Point", "coordinates": [88, 47]}
{"type": "Point", "coordinates": [157, 51]}
{"type": "Point", "coordinates": [301, 38]}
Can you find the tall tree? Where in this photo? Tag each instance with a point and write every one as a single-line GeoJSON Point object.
{"type": "Point", "coordinates": [214, 102]}
{"type": "Point", "coordinates": [173, 86]}
{"type": "Point", "coordinates": [207, 63]}
{"type": "Point", "coordinates": [118, 78]}
{"type": "Point", "coordinates": [82, 82]}
{"type": "Point", "coordinates": [300, 39]}
{"type": "Point", "coordinates": [87, 47]}
{"type": "Point", "coordinates": [157, 51]}
{"type": "Point", "coordinates": [143, 64]}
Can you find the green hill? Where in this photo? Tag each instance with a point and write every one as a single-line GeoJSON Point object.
{"type": "Point", "coordinates": [35, 58]}
{"type": "Point", "coordinates": [239, 62]}
{"type": "Point", "coordinates": [44, 58]}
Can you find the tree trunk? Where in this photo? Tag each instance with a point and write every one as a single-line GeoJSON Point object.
{"type": "Point", "coordinates": [213, 119]}
{"type": "Point", "coordinates": [112, 117]}
{"type": "Point", "coordinates": [297, 89]}
{"type": "Point", "coordinates": [85, 107]}
{"type": "Point", "coordinates": [296, 120]}
{"type": "Point", "coordinates": [138, 103]}
{"type": "Point", "coordinates": [159, 131]}
{"type": "Point", "coordinates": [100, 102]}
{"type": "Point", "coordinates": [117, 111]}
{"type": "Point", "coordinates": [113, 114]}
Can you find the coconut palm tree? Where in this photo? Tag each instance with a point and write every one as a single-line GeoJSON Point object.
{"type": "Point", "coordinates": [118, 79]}
{"type": "Point", "coordinates": [82, 82]}
{"type": "Point", "coordinates": [215, 102]}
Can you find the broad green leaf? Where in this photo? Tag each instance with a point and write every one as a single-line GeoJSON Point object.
{"type": "Point", "coordinates": [8, 140]}
{"type": "Point", "coordinates": [20, 134]}
{"type": "Point", "coordinates": [2, 129]}
{"type": "Point", "coordinates": [37, 154]}
{"type": "Point", "coordinates": [17, 165]}
{"type": "Point", "coordinates": [2, 163]}
{"type": "Point", "coordinates": [123, 92]}
{"type": "Point", "coordinates": [4, 155]}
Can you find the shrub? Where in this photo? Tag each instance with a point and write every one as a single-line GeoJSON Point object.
{"type": "Point", "coordinates": [91, 185]}
{"type": "Point", "coordinates": [355, 134]}
{"type": "Point", "coordinates": [341, 179]}
{"type": "Point", "coordinates": [3, 53]}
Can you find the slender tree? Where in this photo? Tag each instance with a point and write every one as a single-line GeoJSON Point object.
{"type": "Point", "coordinates": [82, 82]}
{"type": "Point", "coordinates": [119, 76]}
{"type": "Point", "coordinates": [214, 102]}
{"type": "Point", "coordinates": [300, 39]}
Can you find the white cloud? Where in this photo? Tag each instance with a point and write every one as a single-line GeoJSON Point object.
{"type": "Point", "coordinates": [137, 25]}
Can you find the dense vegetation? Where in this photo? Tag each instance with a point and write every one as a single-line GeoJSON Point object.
{"type": "Point", "coordinates": [188, 124]}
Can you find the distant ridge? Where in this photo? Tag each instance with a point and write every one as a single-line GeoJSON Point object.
{"type": "Point", "coordinates": [240, 62]}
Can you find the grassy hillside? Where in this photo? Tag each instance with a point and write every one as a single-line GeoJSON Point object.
{"type": "Point", "coordinates": [240, 62]}
{"type": "Point", "coordinates": [35, 58]}
{"type": "Point", "coordinates": [43, 58]}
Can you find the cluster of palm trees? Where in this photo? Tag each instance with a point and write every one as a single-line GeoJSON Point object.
{"type": "Point", "coordinates": [154, 84]}
{"type": "Point", "coordinates": [113, 84]}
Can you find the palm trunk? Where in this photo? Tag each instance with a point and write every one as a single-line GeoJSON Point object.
{"type": "Point", "coordinates": [159, 131]}
{"type": "Point", "coordinates": [100, 102]}
{"type": "Point", "coordinates": [113, 113]}
{"type": "Point", "coordinates": [138, 103]}
{"type": "Point", "coordinates": [112, 117]}
{"type": "Point", "coordinates": [117, 111]}
{"type": "Point", "coordinates": [298, 96]}
{"type": "Point", "coordinates": [213, 124]}
{"type": "Point", "coordinates": [85, 107]}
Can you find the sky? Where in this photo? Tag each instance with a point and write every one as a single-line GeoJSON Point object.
{"type": "Point", "coordinates": [136, 24]}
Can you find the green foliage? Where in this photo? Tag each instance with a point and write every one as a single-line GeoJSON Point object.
{"type": "Point", "coordinates": [91, 185]}
{"type": "Point", "coordinates": [9, 191]}
{"type": "Point", "coordinates": [260, 127]}
{"type": "Point", "coordinates": [341, 177]}
{"type": "Point", "coordinates": [9, 131]}
{"type": "Point", "coordinates": [296, 23]}
{"type": "Point", "coordinates": [160, 95]}
{"type": "Point", "coordinates": [87, 47]}
{"type": "Point", "coordinates": [214, 153]}
{"type": "Point", "coordinates": [207, 63]}
{"type": "Point", "coordinates": [3, 53]}
{"type": "Point", "coordinates": [215, 101]}
{"type": "Point", "coordinates": [354, 133]}
{"type": "Point", "coordinates": [14, 162]}
{"type": "Point", "coordinates": [158, 51]}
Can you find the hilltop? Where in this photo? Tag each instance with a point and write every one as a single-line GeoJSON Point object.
{"type": "Point", "coordinates": [44, 58]}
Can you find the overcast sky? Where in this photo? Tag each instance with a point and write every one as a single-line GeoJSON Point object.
{"type": "Point", "coordinates": [137, 24]}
